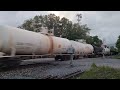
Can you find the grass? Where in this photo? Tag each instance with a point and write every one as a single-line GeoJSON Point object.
{"type": "Point", "coordinates": [103, 72]}
{"type": "Point", "coordinates": [117, 57]}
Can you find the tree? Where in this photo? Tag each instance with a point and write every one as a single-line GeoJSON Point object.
{"type": "Point", "coordinates": [118, 43]}
{"type": "Point", "coordinates": [113, 50]}
{"type": "Point", "coordinates": [94, 40]}
{"type": "Point", "coordinates": [27, 25]}
{"type": "Point", "coordinates": [62, 27]}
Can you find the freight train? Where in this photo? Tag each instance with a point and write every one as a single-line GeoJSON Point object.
{"type": "Point", "coordinates": [17, 44]}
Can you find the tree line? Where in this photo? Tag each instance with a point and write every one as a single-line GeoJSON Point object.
{"type": "Point", "coordinates": [62, 27]}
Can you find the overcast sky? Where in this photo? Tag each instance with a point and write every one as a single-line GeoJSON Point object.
{"type": "Point", "coordinates": [105, 24]}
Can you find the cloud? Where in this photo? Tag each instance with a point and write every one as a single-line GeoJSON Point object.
{"type": "Point", "coordinates": [105, 24]}
{"type": "Point", "coordinates": [15, 18]}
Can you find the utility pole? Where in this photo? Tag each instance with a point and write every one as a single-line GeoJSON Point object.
{"type": "Point", "coordinates": [79, 18]}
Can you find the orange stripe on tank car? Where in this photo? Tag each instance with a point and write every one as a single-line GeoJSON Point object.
{"type": "Point", "coordinates": [51, 45]}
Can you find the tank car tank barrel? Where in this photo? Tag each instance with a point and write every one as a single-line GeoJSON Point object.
{"type": "Point", "coordinates": [17, 41]}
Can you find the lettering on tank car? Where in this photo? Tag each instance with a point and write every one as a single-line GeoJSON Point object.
{"type": "Point", "coordinates": [29, 44]}
{"type": "Point", "coordinates": [59, 46]}
{"type": "Point", "coordinates": [20, 43]}
{"type": "Point", "coordinates": [23, 48]}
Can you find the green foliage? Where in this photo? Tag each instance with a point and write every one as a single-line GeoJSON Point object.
{"type": "Point", "coordinates": [94, 65]}
{"type": "Point", "coordinates": [62, 27]}
{"type": "Point", "coordinates": [118, 44]}
{"type": "Point", "coordinates": [113, 50]}
{"type": "Point", "coordinates": [103, 72]}
{"type": "Point", "coordinates": [116, 57]}
{"type": "Point", "coordinates": [94, 40]}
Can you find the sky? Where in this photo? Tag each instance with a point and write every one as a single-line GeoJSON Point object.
{"type": "Point", "coordinates": [104, 24]}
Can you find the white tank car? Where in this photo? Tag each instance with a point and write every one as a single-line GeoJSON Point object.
{"type": "Point", "coordinates": [23, 41]}
{"type": "Point", "coordinates": [76, 46]}
{"type": "Point", "coordinates": [88, 49]}
{"type": "Point", "coordinates": [60, 45]}
{"type": "Point", "coordinates": [107, 51]}
{"type": "Point", "coordinates": [79, 47]}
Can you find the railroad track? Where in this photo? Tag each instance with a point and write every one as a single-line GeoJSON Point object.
{"type": "Point", "coordinates": [28, 69]}
{"type": "Point", "coordinates": [72, 75]}
{"type": "Point", "coordinates": [68, 76]}
{"type": "Point", "coordinates": [24, 66]}
{"type": "Point", "coordinates": [35, 64]}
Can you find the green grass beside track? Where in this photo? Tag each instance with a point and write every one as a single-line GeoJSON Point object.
{"type": "Point", "coordinates": [102, 72]}
{"type": "Point", "coordinates": [116, 57]}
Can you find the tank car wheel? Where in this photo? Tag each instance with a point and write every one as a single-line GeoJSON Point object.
{"type": "Point", "coordinates": [74, 58]}
{"type": "Point", "coordinates": [77, 57]}
{"type": "Point", "coordinates": [62, 58]}
{"type": "Point", "coordinates": [68, 58]}
{"type": "Point", "coordinates": [56, 58]}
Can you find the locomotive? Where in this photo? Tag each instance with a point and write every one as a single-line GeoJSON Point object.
{"type": "Point", "coordinates": [17, 44]}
